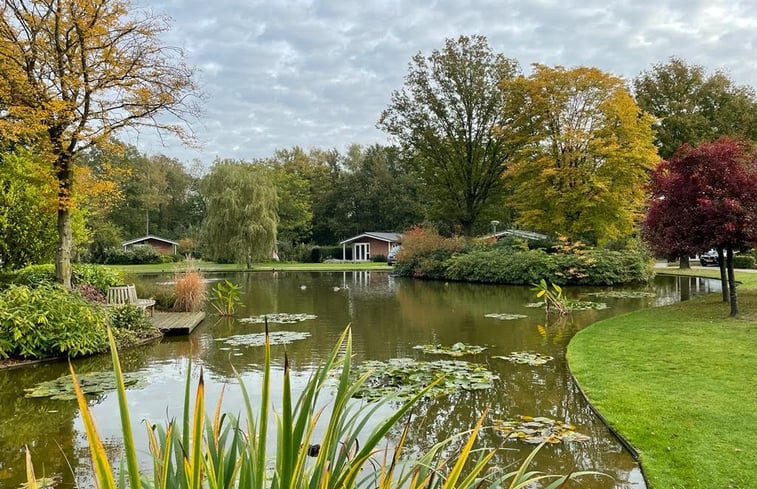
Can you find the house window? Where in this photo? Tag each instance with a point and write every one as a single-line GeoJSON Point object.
{"type": "Point", "coordinates": [362, 252]}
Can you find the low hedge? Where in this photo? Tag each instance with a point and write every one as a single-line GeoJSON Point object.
{"type": "Point", "coordinates": [743, 261]}
{"type": "Point", "coordinates": [508, 266]}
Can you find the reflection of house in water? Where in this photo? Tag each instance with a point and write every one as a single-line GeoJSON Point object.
{"type": "Point", "coordinates": [366, 285]}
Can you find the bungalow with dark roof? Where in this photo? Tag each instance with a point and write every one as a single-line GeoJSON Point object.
{"type": "Point", "coordinates": [370, 244]}
{"type": "Point", "coordinates": [161, 245]}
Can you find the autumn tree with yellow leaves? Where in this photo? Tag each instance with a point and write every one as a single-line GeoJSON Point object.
{"type": "Point", "coordinates": [585, 152]}
{"type": "Point", "coordinates": [75, 72]}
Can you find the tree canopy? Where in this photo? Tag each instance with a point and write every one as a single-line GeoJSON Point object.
{"type": "Point", "coordinates": [73, 73]}
{"type": "Point", "coordinates": [241, 219]}
{"type": "Point", "coordinates": [584, 151]}
{"type": "Point", "coordinates": [445, 118]}
{"type": "Point", "coordinates": [702, 198]}
{"type": "Point", "coordinates": [691, 106]}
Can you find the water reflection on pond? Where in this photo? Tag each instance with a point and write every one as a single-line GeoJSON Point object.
{"type": "Point", "coordinates": [389, 316]}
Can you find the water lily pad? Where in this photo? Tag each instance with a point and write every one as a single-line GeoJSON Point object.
{"type": "Point", "coordinates": [624, 294]}
{"type": "Point", "coordinates": [456, 350]}
{"type": "Point", "coordinates": [258, 339]}
{"type": "Point", "coordinates": [538, 430]}
{"type": "Point", "coordinates": [526, 358]}
{"type": "Point", "coordinates": [404, 377]}
{"type": "Point", "coordinates": [574, 305]}
{"type": "Point", "coordinates": [279, 318]}
{"type": "Point", "coordinates": [503, 316]}
{"type": "Point", "coordinates": [91, 383]}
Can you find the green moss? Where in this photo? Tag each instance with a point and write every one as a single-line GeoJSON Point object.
{"type": "Point", "coordinates": [678, 383]}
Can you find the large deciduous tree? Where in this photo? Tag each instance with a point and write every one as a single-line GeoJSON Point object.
{"type": "Point", "coordinates": [691, 106]}
{"type": "Point", "coordinates": [74, 72]}
{"type": "Point", "coordinates": [240, 223]}
{"type": "Point", "coordinates": [584, 153]}
{"type": "Point", "coordinates": [706, 197]}
{"type": "Point", "coordinates": [445, 117]}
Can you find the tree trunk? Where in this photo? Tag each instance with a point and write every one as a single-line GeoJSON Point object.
{"type": "Point", "coordinates": [723, 276]}
{"type": "Point", "coordinates": [732, 283]}
{"type": "Point", "coordinates": [683, 262]}
{"type": "Point", "coordinates": [65, 176]}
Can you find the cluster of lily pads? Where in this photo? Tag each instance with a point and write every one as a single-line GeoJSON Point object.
{"type": "Point", "coordinates": [505, 316]}
{"type": "Point", "coordinates": [258, 339]}
{"type": "Point", "coordinates": [92, 383]}
{"type": "Point", "coordinates": [405, 377]}
{"type": "Point", "coordinates": [456, 350]}
{"type": "Point", "coordinates": [279, 318]}
{"type": "Point", "coordinates": [526, 358]}
{"type": "Point", "coordinates": [623, 294]}
{"type": "Point", "coordinates": [538, 430]}
{"type": "Point", "coordinates": [574, 305]}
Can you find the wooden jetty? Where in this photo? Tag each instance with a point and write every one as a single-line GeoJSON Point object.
{"type": "Point", "coordinates": [177, 323]}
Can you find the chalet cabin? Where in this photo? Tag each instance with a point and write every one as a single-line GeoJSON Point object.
{"type": "Point", "coordinates": [366, 245]}
{"type": "Point", "coordinates": [161, 245]}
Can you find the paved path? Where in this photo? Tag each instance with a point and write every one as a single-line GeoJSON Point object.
{"type": "Point", "coordinates": [663, 265]}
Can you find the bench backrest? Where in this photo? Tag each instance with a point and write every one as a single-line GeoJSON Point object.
{"type": "Point", "coordinates": [123, 294]}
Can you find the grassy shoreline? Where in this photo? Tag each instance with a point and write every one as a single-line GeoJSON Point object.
{"type": "Point", "coordinates": [206, 266]}
{"type": "Point", "coordinates": [677, 382]}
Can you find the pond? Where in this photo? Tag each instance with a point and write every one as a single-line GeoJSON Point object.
{"type": "Point", "coordinates": [389, 317]}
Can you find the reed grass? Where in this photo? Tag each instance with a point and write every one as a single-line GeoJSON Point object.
{"type": "Point", "coordinates": [190, 291]}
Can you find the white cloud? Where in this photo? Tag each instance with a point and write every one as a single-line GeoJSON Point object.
{"type": "Point", "coordinates": [319, 73]}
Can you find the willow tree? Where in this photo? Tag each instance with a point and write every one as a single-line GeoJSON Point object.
{"type": "Point", "coordinates": [446, 117]}
{"type": "Point", "coordinates": [241, 219]}
{"type": "Point", "coordinates": [585, 150]}
{"type": "Point", "coordinates": [73, 73]}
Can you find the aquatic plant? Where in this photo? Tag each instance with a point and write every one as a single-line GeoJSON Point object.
{"type": "Point", "coordinates": [456, 350]}
{"type": "Point", "coordinates": [503, 316]}
{"type": "Point", "coordinates": [260, 339]}
{"type": "Point", "coordinates": [526, 358]}
{"type": "Point", "coordinates": [217, 450]}
{"type": "Point", "coordinates": [279, 318]}
{"type": "Point", "coordinates": [538, 430]}
{"type": "Point", "coordinates": [225, 298]}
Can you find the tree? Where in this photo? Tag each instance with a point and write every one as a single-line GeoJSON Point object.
{"type": "Point", "coordinates": [706, 197]}
{"type": "Point", "coordinates": [445, 117]}
{"type": "Point", "coordinates": [691, 106]}
{"type": "Point", "coordinates": [294, 204]}
{"type": "Point", "coordinates": [73, 73]}
{"type": "Point", "coordinates": [240, 224]}
{"type": "Point", "coordinates": [584, 151]}
{"type": "Point", "coordinates": [27, 210]}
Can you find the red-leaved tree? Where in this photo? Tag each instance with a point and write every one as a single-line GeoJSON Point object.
{"type": "Point", "coordinates": [702, 198]}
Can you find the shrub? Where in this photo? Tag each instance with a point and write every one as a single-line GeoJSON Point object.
{"type": "Point", "coordinates": [743, 261]}
{"type": "Point", "coordinates": [92, 294]}
{"type": "Point", "coordinates": [582, 267]}
{"type": "Point", "coordinates": [424, 253]}
{"type": "Point", "coordinates": [378, 258]}
{"type": "Point", "coordinates": [136, 255]}
{"type": "Point", "coordinates": [190, 292]}
{"type": "Point", "coordinates": [130, 325]}
{"type": "Point", "coordinates": [48, 321]}
{"type": "Point", "coordinates": [97, 276]}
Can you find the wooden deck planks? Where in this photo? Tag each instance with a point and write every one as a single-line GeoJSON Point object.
{"type": "Point", "coordinates": [176, 323]}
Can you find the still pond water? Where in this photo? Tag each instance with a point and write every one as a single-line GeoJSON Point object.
{"type": "Point", "coordinates": [388, 316]}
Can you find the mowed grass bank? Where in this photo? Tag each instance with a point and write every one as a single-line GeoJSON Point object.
{"type": "Point", "coordinates": [679, 383]}
{"type": "Point", "coordinates": [207, 266]}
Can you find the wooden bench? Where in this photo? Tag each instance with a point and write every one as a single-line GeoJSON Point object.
{"type": "Point", "coordinates": [127, 294]}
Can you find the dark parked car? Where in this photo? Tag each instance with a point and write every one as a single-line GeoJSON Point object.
{"type": "Point", "coordinates": [709, 258]}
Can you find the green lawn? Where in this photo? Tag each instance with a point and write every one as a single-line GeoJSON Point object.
{"type": "Point", "coordinates": [207, 266]}
{"type": "Point", "coordinates": [679, 383]}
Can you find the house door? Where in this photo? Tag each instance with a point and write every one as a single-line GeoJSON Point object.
{"type": "Point", "coordinates": [362, 252]}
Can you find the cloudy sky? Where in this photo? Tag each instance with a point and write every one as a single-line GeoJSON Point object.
{"type": "Point", "coordinates": [318, 73]}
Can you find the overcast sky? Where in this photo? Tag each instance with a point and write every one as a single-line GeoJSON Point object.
{"type": "Point", "coordinates": [318, 73]}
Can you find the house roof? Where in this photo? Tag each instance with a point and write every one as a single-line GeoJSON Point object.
{"type": "Point", "coordinates": [145, 238]}
{"type": "Point", "coordinates": [381, 236]}
{"type": "Point", "coordinates": [519, 233]}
